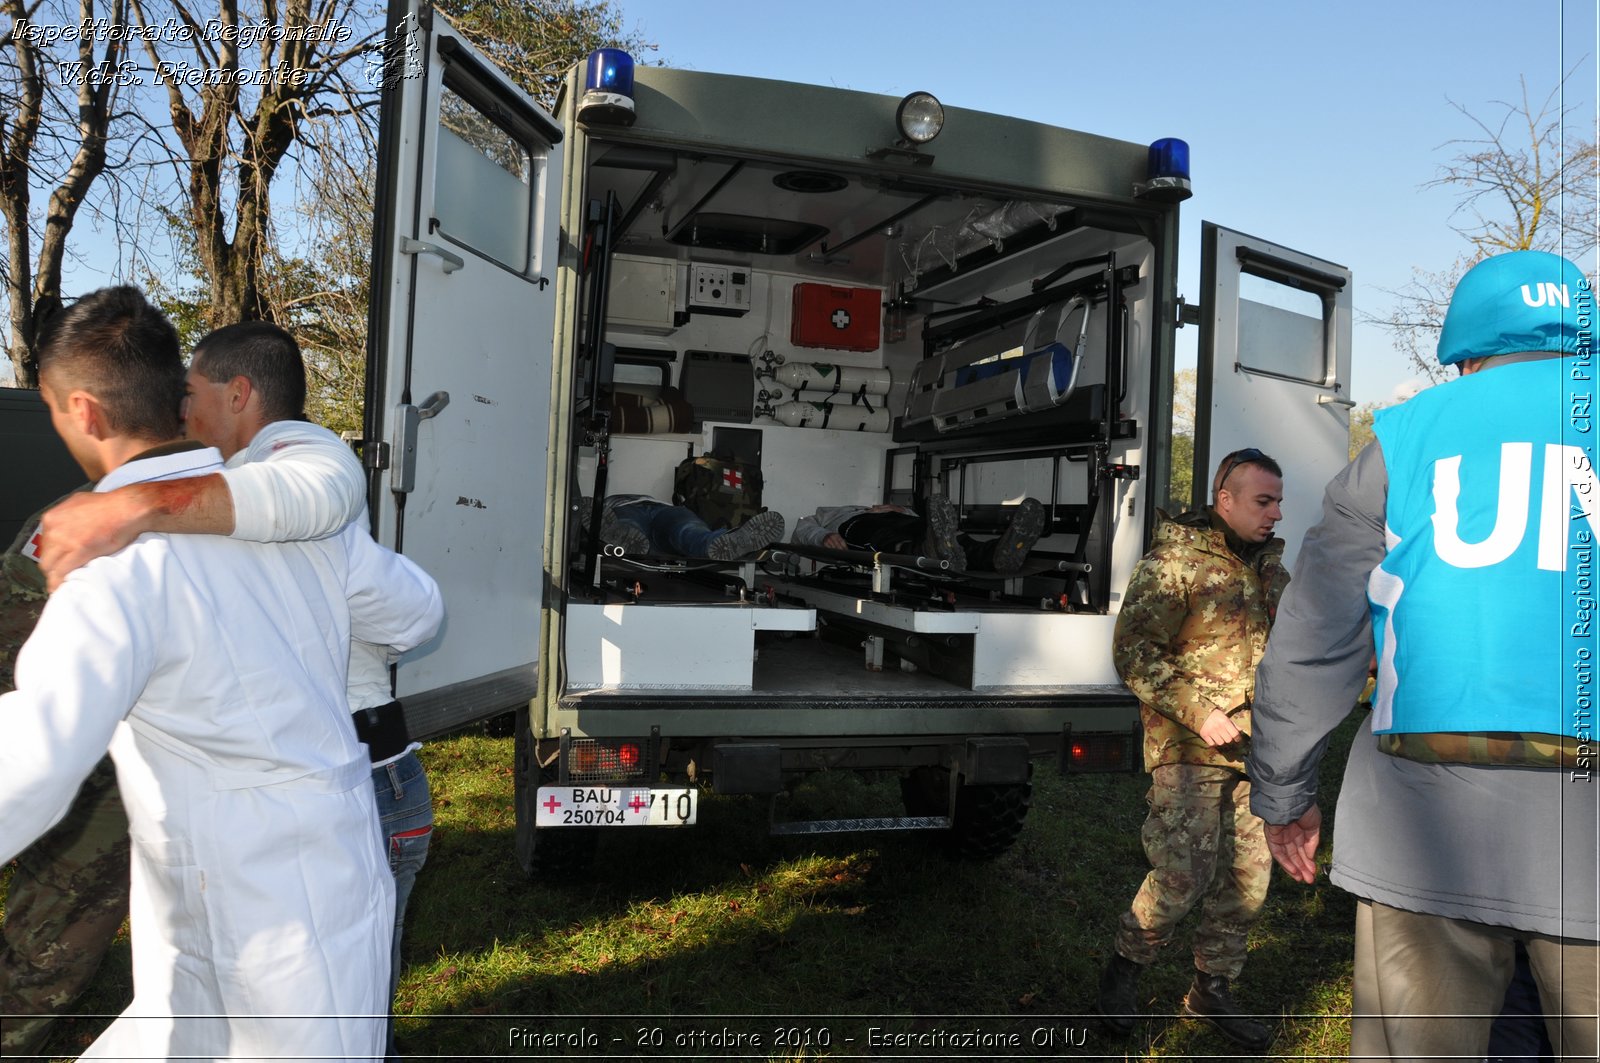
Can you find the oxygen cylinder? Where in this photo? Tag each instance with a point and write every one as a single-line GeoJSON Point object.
{"type": "Point", "coordinates": [830, 379]}
{"type": "Point", "coordinates": [842, 416]}
{"type": "Point", "coordinates": [775, 395]}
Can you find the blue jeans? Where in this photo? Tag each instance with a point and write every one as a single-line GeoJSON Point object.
{"type": "Point", "coordinates": [406, 812]}
{"type": "Point", "coordinates": [671, 529]}
{"type": "Point", "coordinates": [1518, 1033]}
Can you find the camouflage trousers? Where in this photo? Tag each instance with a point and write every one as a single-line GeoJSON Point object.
{"type": "Point", "coordinates": [1206, 848]}
{"type": "Point", "coordinates": [68, 897]}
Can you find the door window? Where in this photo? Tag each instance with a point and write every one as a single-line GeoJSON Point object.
{"type": "Point", "coordinates": [484, 185]}
{"type": "Point", "coordinates": [1283, 329]}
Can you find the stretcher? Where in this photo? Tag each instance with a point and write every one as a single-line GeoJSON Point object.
{"type": "Point", "coordinates": [964, 387]}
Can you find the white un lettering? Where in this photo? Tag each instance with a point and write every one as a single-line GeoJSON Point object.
{"type": "Point", "coordinates": [1566, 470]}
{"type": "Point", "coordinates": [1548, 292]}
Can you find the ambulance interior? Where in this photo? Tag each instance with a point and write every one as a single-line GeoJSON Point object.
{"type": "Point", "coordinates": [990, 349]}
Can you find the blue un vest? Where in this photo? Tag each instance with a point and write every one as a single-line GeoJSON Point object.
{"type": "Point", "coordinates": [1483, 610]}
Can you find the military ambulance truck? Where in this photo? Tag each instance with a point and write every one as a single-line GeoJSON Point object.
{"type": "Point", "coordinates": [37, 468]}
{"type": "Point", "coordinates": [843, 298]}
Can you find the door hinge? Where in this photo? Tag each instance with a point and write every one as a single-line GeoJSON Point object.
{"type": "Point", "coordinates": [1188, 313]}
{"type": "Point", "coordinates": [374, 453]}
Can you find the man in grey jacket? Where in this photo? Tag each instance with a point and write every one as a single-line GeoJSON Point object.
{"type": "Point", "coordinates": [1468, 814]}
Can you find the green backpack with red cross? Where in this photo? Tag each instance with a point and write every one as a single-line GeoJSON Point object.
{"type": "Point", "coordinates": [722, 492]}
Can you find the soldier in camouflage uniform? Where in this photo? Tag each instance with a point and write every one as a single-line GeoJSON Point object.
{"type": "Point", "coordinates": [1192, 628]}
{"type": "Point", "coordinates": [69, 891]}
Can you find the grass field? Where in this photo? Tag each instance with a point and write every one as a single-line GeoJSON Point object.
{"type": "Point", "coordinates": [718, 941]}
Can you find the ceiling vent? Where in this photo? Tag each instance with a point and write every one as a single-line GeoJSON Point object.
{"type": "Point", "coordinates": [810, 182]}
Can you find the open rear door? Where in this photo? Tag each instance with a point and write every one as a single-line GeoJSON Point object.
{"type": "Point", "coordinates": [1274, 368]}
{"type": "Point", "coordinates": [458, 398]}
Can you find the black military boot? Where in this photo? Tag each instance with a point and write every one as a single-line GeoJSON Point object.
{"type": "Point", "coordinates": [1116, 1004]}
{"type": "Point", "coordinates": [1210, 1001]}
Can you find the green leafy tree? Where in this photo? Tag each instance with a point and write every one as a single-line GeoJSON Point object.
{"type": "Point", "coordinates": [1361, 426]}
{"type": "Point", "coordinates": [1181, 481]}
{"type": "Point", "coordinates": [535, 41]}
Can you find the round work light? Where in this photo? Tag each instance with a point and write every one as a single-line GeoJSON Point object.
{"type": "Point", "coordinates": [920, 116]}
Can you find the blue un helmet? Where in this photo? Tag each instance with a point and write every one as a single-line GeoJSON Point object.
{"type": "Point", "coordinates": [1518, 301]}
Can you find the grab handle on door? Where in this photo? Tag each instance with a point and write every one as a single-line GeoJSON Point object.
{"type": "Point", "coordinates": [403, 474]}
{"type": "Point", "coordinates": [452, 262]}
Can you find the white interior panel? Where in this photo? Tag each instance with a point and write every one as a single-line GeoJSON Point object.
{"type": "Point", "coordinates": [650, 647]}
{"type": "Point", "coordinates": [1042, 649]}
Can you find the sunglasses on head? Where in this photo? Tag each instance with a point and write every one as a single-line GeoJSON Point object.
{"type": "Point", "coordinates": [1236, 459]}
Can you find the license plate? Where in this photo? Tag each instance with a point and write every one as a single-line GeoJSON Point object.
{"type": "Point", "coordinates": [616, 806]}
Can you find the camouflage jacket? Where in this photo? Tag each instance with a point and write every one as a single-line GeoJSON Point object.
{"type": "Point", "coordinates": [22, 595]}
{"type": "Point", "coordinates": [22, 598]}
{"type": "Point", "coordinates": [1192, 628]}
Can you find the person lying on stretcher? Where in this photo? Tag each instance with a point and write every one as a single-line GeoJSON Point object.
{"type": "Point", "coordinates": [898, 530]}
{"type": "Point", "coordinates": [639, 524]}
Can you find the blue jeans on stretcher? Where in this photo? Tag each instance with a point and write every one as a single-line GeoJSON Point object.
{"type": "Point", "coordinates": [406, 811]}
{"type": "Point", "coordinates": [670, 529]}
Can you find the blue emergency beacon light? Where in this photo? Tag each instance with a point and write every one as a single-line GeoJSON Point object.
{"type": "Point", "coordinates": [1166, 172]}
{"type": "Point", "coordinates": [607, 88]}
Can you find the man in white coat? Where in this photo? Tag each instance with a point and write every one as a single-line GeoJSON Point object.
{"type": "Point", "coordinates": [284, 479]}
{"type": "Point", "coordinates": [246, 397]}
{"type": "Point", "coordinates": [215, 671]}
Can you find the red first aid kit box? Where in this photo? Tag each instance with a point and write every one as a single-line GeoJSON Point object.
{"type": "Point", "coordinates": [840, 319]}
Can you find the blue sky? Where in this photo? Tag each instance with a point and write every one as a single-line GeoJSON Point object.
{"type": "Point", "coordinates": [1310, 125]}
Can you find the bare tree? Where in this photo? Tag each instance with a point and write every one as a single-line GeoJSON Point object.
{"type": "Point", "coordinates": [63, 88]}
{"type": "Point", "coordinates": [321, 292]}
{"type": "Point", "coordinates": [235, 122]}
{"type": "Point", "coordinates": [314, 278]}
{"type": "Point", "coordinates": [1526, 182]}
{"type": "Point", "coordinates": [1418, 312]}
{"type": "Point", "coordinates": [239, 87]}
{"type": "Point", "coordinates": [235, 115]}
{"type": "Point", "coordinates": [250, 89]}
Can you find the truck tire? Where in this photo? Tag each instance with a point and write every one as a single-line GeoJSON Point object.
{"type": "Point", "coordinates": [988, 819]}
{"type": "Point", "coordinates": [544, 852]}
